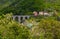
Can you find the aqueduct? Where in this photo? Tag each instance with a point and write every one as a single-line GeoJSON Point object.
{"type": "Point", "coordinates": [21, 18]}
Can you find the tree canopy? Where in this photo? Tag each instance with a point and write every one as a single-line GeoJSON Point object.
{"type": "Point", "coordinates": [28, 6]}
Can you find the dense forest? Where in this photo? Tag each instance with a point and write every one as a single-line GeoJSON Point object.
{"type": "Point", "coordinates": [28, 6]}
{"type": "Point", "coordinates": [38, 26]}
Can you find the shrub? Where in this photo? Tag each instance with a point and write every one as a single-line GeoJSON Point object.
{"type": "Point", "coordinates": [46, 29]}
{"type": "Point", "coordinates": [10, 29]}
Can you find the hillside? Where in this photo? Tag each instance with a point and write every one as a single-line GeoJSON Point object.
{"type": "Point", "coordinates": [22, 7]}
{"type": "Point", "coordinates": [29, 19]}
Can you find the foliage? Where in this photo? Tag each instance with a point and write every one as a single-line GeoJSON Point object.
{"type": "Point", "coordinates": [39, 27]}
{"type": "Point", "coordinates": [22, 7]}
{"type": "Point", "coordinates": [19, 7]}
{"type": "Point", "coordinates": [46, 29]}
{"type": "Point", "coordinates": [10, 29]}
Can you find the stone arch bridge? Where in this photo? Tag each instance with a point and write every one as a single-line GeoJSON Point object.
{"type": "Point", "coordinates": [20, 18]}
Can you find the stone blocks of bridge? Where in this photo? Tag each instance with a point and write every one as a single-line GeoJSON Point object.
{"type": "Point", "coordinates": [20, 18]}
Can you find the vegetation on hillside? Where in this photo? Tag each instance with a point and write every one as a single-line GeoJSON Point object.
{"type": "Point", "coordinates": [28, 6]}
{"type": "Point", "coordinates": [45, 28]}
{"type": "Point", "coordinates": [37, 27]}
